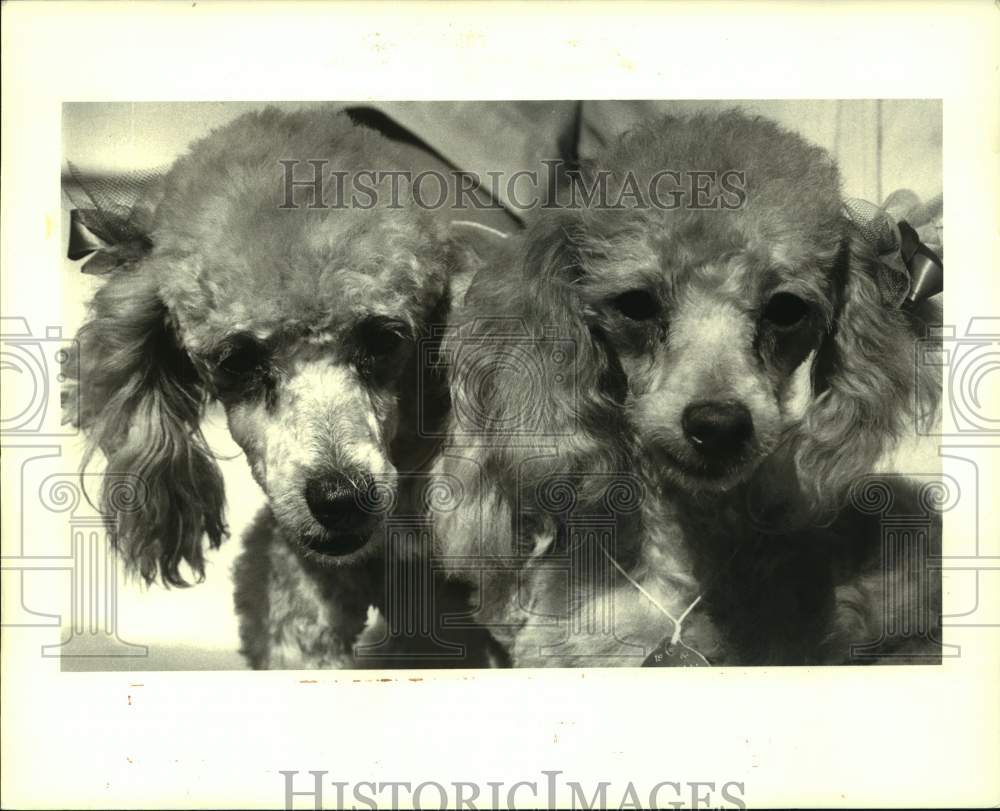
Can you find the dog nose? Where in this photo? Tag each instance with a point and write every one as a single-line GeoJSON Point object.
{"type": "Point", "coordinates": [717, 427]}
{"type": "Point", "coordinates": [335, 502]}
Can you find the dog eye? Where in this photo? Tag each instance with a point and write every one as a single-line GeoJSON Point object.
{"type": "Point", "coordinates": [243, 355]}
{"type": "Point", "coordinates": [785, 310]}
{"type": "Point", "coordinates": [380, 348]}
{"type": "Point", "coordinates": [383, 343]}
{"type": "Point", "coordinates": [638, 305]}
{"type": "Point", "coordinates": [380, 337]}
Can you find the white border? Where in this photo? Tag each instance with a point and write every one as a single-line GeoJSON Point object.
{"type": "Point", "coordinates": [874, 737]}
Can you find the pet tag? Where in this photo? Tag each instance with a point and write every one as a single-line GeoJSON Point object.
{"type": "Point", "coordinates": [667, 654]}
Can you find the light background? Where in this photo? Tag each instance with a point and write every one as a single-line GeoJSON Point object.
{"type": "Point", "coordinates": [881, 737]}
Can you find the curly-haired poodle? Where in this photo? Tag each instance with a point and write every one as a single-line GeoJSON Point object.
{"type": "Point", "coordinates": [661, 466]}
{"type": "Point", "coordinates": [302, 318]}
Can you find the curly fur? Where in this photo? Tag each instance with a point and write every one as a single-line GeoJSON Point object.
{"type": "Point", "coordinates": [141, 404]}
{"type": "Point", "coordinates": [766, 536]}
{"type": "Point", "coordinates": [304, 324]}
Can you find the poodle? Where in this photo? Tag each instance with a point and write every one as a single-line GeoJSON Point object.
{"type": "Point", "coordinates": [304, 319]}
{"type": "Point", "coordinates": [667, 415]}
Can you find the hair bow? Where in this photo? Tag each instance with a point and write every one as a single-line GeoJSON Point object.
{"type": "Point", "coordinates": [112, 218]}
{"type": "Point", "coordinates": [909, 270]}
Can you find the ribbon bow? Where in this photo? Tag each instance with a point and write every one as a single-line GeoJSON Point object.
{"type": "Point", "coordinates": [107, 240]}
{"type": "Point", "coordinates": [909, 271]}
{"type": "Point", "coordinates": [113, 218]}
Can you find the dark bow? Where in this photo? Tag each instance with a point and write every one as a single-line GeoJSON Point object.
{"type": "Point", "coordinates": [910, 271]}
{"type": "Point", "coordinates": [113, 218]}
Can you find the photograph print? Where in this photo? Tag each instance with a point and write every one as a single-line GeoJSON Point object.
{"type": "Point", "coordinates": [370, 385]}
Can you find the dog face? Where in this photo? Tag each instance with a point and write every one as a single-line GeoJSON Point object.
{"type": "Point", "coordinates": [316, 417]}
{"type": "Point", "coordinates": [708, 340]}
{"type": "Point", "coordinates": [301, 320]}
{"type": "Point", "coordinates": [312, 351]}
{"type": "Point", "coordinates": [711, 328]}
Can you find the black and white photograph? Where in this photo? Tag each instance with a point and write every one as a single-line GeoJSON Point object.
{"type": "Point", "coordinates": [529, 384]}
{"type": "Point", "coordinates": [415, 411]}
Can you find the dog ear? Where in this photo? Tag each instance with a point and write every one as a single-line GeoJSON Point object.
{"type": "Point", "coordinates": [868, 384]}
{"type": "Point", "coordinates": [532, 384]}
{"type": "Point", "coordinates": [472, 247]}
{"type": "Point", "coordinates": [140, 401]}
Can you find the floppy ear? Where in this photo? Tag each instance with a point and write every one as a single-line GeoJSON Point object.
{"type": "Point", "coordinates": [140, 401]}
{"type": "Point", "coordinates": [533, 386]}
{"type": "Point", "coordinates": [870, 388]}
